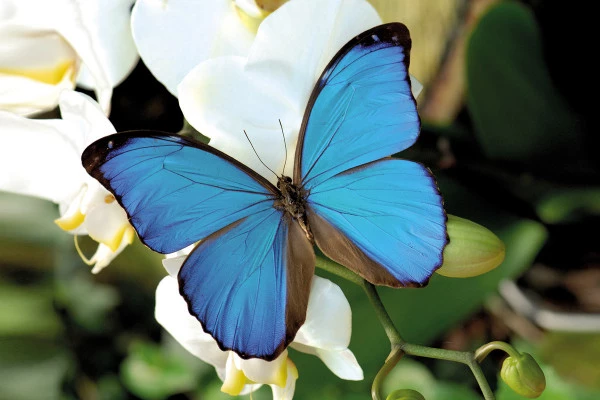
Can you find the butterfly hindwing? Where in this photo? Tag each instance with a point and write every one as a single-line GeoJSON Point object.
{"type": "Point", "coordinates": [175, 191]}
{"type": "Point", "coordinates": [249, 283]}
{"type": "Point", "coordinates": [386, 213]}
{"type": "Point", "coordinates": [382, 218]}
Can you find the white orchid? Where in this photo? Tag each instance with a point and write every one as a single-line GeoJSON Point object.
{"type": "Point", "coordinates": [174, 36]}
{"type": "Point", "coordinates": [326, 333]}
{"type": "Point", "coordinates": [224, 96]}
{"type": "Point", "coordinates": [47, 46]}
{"type": "Point", "coordinates": [44, 160]}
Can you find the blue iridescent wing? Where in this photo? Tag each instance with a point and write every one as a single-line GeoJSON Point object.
{"type": "Point", "coordinates": [175, 191]}
{"type": "Point", "coordinates": [263, 266]}
{"type": "Point", "coordinates": [382, 219]}
{"type": "Point", "coordinates": [248, 281]}
{"type": "Point", "coordinates": [361, 108]}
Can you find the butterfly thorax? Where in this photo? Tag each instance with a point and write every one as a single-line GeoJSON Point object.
{"type": "Point", "coordinates": [292, 199]}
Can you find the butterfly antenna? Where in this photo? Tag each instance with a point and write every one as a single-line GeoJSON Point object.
{"type": "Point", "coordinates": [261, 161]}
{"type": "Point", "coordinates": [284, 145]}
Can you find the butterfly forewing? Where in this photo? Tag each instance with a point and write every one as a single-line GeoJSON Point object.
{"type": "Point", "coordinates": [361, 109]}
{"type": "Point", "coordinates": [176, 191]}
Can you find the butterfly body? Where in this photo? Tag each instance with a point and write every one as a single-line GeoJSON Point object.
{"type": "Point", "coordinates": [248, 279]}
{"type": "Point", "coordinates": [292, 200]}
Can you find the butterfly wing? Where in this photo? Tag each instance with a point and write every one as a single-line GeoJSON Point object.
{"type": "Point", "coordinates": [381, 218]}
{"type": "Point", "coordinates": [266, 287]}
{"type": "Point", "coordinates": [248, 281]}
{"type": "Point", "coordinates": [174, 190]}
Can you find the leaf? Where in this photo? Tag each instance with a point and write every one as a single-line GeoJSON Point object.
{"type": "Point", "coordinates": [566, 205]}
{"type": "Point", "coordinates": [28, 310]}
{"type": "Point", "coordinates": [151, 373]}
{"type": "Point", "coordinates": [574, 356]}
{"type": "Point", "coordinates": [518, 114]}
{"type": "Point", "coordinates": [31, 369]}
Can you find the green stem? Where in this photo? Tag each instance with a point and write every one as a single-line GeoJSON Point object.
{"type": "Point", "coordinates": [390, 362]}
{"type": "Point", "coordinates": [464, 357]}
{"type": "Point", "coordinates": [385, 319]}
{"type": "Point", "coordinates": [336, 269]}
{"type": "Point", "coordinates": [487, 348]}
{"type": "Point", "coordinates": [399, 346]}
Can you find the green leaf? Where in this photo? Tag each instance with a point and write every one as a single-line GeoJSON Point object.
{"type": "Point", "coordinates": [152, 374]}
{"type": "Point", "coordinates": [574, 356]}
{"type": "Point", "coordinates": [28, 310]}
{"type": "Point", "coordinates": [518, 113]}
{"type": "Point", "coordinates": [569, 204]}
{"type": "Point", "coordinates": [31, 369]}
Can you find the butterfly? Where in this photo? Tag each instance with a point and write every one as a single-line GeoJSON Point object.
{"type": "Point", "coordinates": [248, 280]}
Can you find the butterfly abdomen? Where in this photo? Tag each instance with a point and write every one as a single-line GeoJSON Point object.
{"type": "Point", "coordinates": [292, 200]}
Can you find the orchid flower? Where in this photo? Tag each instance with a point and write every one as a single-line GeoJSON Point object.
{"type": "Point", "coordinates": [47, 46]}
{"type": "Point", "coordinates": [326, 333]}
{"type": "Point", "coordinates": [173, 37]}
{"type": "Point", "coordinates": [44, 157]}
{"type": "Point", "coordinates": [224, 96]}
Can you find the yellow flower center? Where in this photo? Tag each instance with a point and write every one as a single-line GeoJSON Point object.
{"type": "Point", "coordinates": [49, 75]}
{"type": "Point", "coordinates": [253, 12]}
{"type": "Point", "coordinates": [235, 379]}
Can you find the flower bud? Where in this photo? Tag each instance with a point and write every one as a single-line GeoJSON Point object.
{"type": "Point", "coordinates": [523, 375]}
{"type": "Point", "coordinates": [405, 394]}
{"type": "Point", "coordinates": [472, 250]}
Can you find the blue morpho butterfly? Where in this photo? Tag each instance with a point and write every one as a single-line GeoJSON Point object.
{"type": "Point", "coordinates": [248, 280]}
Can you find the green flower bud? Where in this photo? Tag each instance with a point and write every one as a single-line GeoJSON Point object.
{"type": "Point", "coordinates": [523, 375]}
{"type": "Point", "coordinates": [472, 250]}
{"type": "Point", "coordinates": [405, 394]}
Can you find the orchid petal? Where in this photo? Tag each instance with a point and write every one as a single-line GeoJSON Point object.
{"type": "Point", "coordinates": [342, 363]}
{"type": "Point", "coordinates": [50, 143]}
{"type": "Point", "coordinates": [210, 88]}
{"type": "Point", "coordinates": [328, 317]}
{"type": "Point", "coordinates": [71, 217]}
{"type": "Point", "coordinates": [235, 380]}
{"type": "Point", "coordinates": [107, 223]}
{"type": "Point", "coordinates": [172, 313]}
{"type": "Point", "coordinates": [112, 40]}
{"type": "Point", "coordinates": [274, 83]}
{"type": "Point", "coordinates": [173, 264]}
{"type": "Point", "coordinates": [104, 254]}
{"type": "Point", "coordinates": [87, 114]}
{"type": "Point", "coordinates": [74, 22]}
{"type": "Point", "coordinates": [271, 372]}
{"type": "Point", "coordinates": [287, 392]}
{"type": "Point", "coordinates": [173, 37]}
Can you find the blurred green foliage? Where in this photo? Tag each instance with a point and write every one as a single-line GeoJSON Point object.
{"type": "Point", "coordinates": [523, 168]}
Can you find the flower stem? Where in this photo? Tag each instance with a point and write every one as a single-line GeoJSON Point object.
{"type": "Point", "coordinates": [336, 269]}
{"type": "Point", "coordinates": [390, 362]}
{"type": "Point", "coordinates": [385, 319]}
{"type": "Point", "coordinates": [465, 357]}
{"type": "Point", "coordinates": [484, 350]}
{"type": "Point", "coordinates": [400, 347]}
